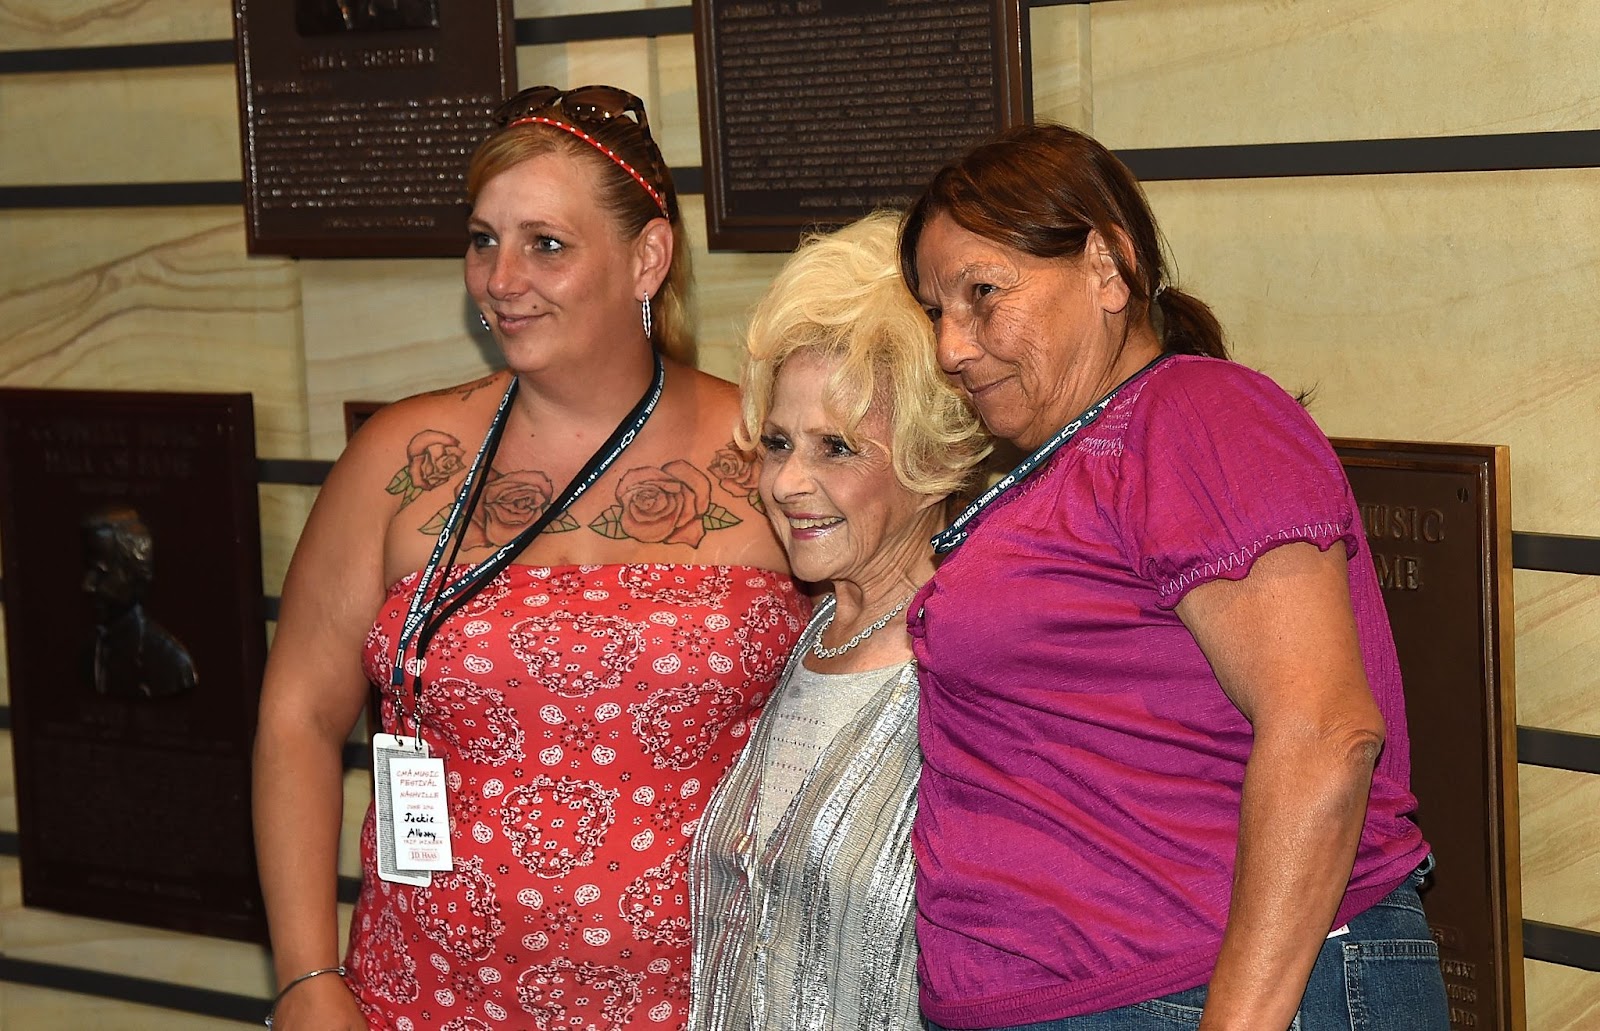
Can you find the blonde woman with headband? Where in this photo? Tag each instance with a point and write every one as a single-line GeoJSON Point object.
{"type": "Point", "coordinates": [572, 625]}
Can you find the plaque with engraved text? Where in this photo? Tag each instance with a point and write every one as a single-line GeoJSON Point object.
{"type": "Point", "coordinates": [358, 117]}
{"type": "Point", "coordinates": [134, 645]}
{"type": "Point", "coordinates": [1437, 517]}
{"type": "Point", "coordinates": [814, 112]}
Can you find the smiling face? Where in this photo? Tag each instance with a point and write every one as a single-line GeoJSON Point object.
{"type": "Point", "coordinates": [1033, 341]}
{"type": "Point", "coordinates": [838, 509]}
{"type": "Point", "coordinates": [549, 269]}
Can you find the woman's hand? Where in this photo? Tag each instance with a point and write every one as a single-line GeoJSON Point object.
{"type": "Point", "coordinates": [1283, 644]}
{"type": "Point", "coordinates": [324, 1003]}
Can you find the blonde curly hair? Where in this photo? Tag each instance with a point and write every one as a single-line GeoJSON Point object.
{"type": "Point", "coordinates": [840, 294]}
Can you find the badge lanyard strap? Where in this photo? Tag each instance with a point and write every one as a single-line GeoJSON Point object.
{"type": "Point", "coordinates": [419, 597]}
{"type": "Point", "coordinates": [954, 535]}
{"type": "Point", "coordinates": [426, 616]}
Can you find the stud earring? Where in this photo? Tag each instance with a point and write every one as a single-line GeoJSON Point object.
{"type": "Point", "coordinates": [649, 321]}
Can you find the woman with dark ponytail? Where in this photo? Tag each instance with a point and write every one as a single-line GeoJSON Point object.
{"type": "Point", "coordinates": [1166, 774]}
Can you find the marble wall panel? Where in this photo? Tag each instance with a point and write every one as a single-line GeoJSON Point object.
{"type": "Point", "coordinates": [1443, 307]}
{"type": "Point", "coordinates": [1560, 846]}
{"type": "Point", "coordinates": [383, 330]}
{"type": "Point", "coordinates": [357, 797]}
{"type": "Point", "coordinates": [1561, 998]}
{"type": "Point", "coordinates": [77, 941]}
{"type": "Point", "coordinates": [1062, 87]}
{"type": "Point", "coordinates": [8, 787]}
{"type": "Point", "coordinates": [1171, 73]}
{"type": "Point", "coordinates": [675, 118]}
{"type": "Point", "coordinates": [24, 1007]}
{"type": "Point", "coordinates": [124, 125]}
{"type": "Point", "coordinates": [152, 300]}
{"type": "Point", "coordinates": [727, 286]}
{"type": "Point", "coordinates": [1402, 303]}
{"type": "Point", "coordinates": [1558, 639]}
{"type": "Point", "coordinates": [284, 508]}
{"type": "Point", "coordinates": [49, 24]}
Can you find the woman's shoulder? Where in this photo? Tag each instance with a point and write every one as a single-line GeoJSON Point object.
{"type": "Point", "coordinates": [454, 407]}
{"type": "Point", "coordinates": [428, 429]}
{"type": "Point", "coordinates": [1212, 381]}
{"type": "Point", "coordinates": [1212, 395]}
{"type": "Point", "coordinates": [715, 400]}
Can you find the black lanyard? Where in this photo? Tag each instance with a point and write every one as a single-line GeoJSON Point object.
{"type": "Point", "coordinates": [427, 614]}
{"type": "Point", "coordinates": [952, 536]}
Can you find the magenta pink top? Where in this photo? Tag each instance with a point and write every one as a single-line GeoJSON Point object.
{"type": "Point", "coordinates": [1079, 803]}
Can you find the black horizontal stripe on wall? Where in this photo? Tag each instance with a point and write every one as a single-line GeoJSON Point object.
{"type": "Point", "coordinates": [574, 28]}
{"type": "Point", "coordinates": [348, 890]}
{"type": "Point", "coordinates": [1558, 749]}
{"type": "Point", "coordinates": [1498, 152]}
{"type": "Point", "coordinates": [183, 998]}
{"type": "Point", "coordinates": [1567, 946]}
{"type": "Point", "coordinates": [1556, 553]}
{"type": "Point", "coordinates": [229, 192]}
{"type": "Point", "coordinates": [223, 192]}
{"type": "Point", "coordinates": [302, 472]}
{"type": "Point", "coordinates": [128, 55]}
{"type": "Point", "coordinates": [1494, 152]}
{"type": "Point", "coordinates": [357, 755]}
{"type": "Point", "coordinates": [569, 28]}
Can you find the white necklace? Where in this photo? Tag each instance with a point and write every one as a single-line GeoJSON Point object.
{"type": "Point", "coordinates": [822, 651]}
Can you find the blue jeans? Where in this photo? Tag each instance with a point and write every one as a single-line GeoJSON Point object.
{"type": "Point", "coordinates": [1381, 976]}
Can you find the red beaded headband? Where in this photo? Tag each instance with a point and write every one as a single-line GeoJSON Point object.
{"type": "Point", "coordinates": [655, 194]}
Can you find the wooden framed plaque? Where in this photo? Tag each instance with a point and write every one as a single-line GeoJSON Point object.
{"type": "Point", "coordinates": [135, 643]}
{"type": "Point", "coordinates": [356, 413]}
{"type": "Point", "coordinates": [358, 117]}
{"type": "Point", "coordinates": [815, 112]}
{"type": "Point", "coordinates": [1437, 517]}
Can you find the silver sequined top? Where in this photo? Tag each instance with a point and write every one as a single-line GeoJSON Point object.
{"type": "Point", "coordinates": [812, 930]}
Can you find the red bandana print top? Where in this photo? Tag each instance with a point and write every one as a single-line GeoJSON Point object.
{"type": "Point", "coordinates": [584, 713]}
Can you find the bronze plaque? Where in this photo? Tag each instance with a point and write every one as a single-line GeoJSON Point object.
{"type": "Point", "coordinates": [356, 413]}
{"type": "Point", "coordinates": [1437, 517]}
{"type": "Point", "coordinates": [358, 117]}
{"type": "Point", "coordinates": [815, 112]}
{"type": "Point", "coordinates": [135, 642]}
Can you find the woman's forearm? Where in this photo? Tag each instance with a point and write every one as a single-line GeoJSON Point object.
{"type": "Point", "coordinates": [1301, 814]}
{"type": "Point", "coordinates": [298, 807]}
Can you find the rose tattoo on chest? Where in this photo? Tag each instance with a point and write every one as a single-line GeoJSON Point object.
{"type": "Point", "coordinates": [672, 503]}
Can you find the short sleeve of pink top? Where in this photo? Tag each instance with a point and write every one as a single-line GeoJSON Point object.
{"type": "Point", "coordinates": [1078, 809]}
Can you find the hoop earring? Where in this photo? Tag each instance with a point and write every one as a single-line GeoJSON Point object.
{"type": "Point", "coordinates": [647, 319]}
{"type": "Point", "coordinates": [483, 320]}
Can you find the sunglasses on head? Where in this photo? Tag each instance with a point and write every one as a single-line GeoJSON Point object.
{"type": "Point", "coordinates": [590, 105]}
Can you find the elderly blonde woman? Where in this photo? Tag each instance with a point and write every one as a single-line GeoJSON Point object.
{"type": "Point", "coordinates": [801, 870]}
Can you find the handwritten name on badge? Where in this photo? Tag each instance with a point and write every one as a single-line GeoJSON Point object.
{"type": "Point", "coordinates": [421, 814]}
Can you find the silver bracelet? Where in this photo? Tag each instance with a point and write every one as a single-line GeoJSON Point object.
{"type": "Point", "coordinates": [308, 975]}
